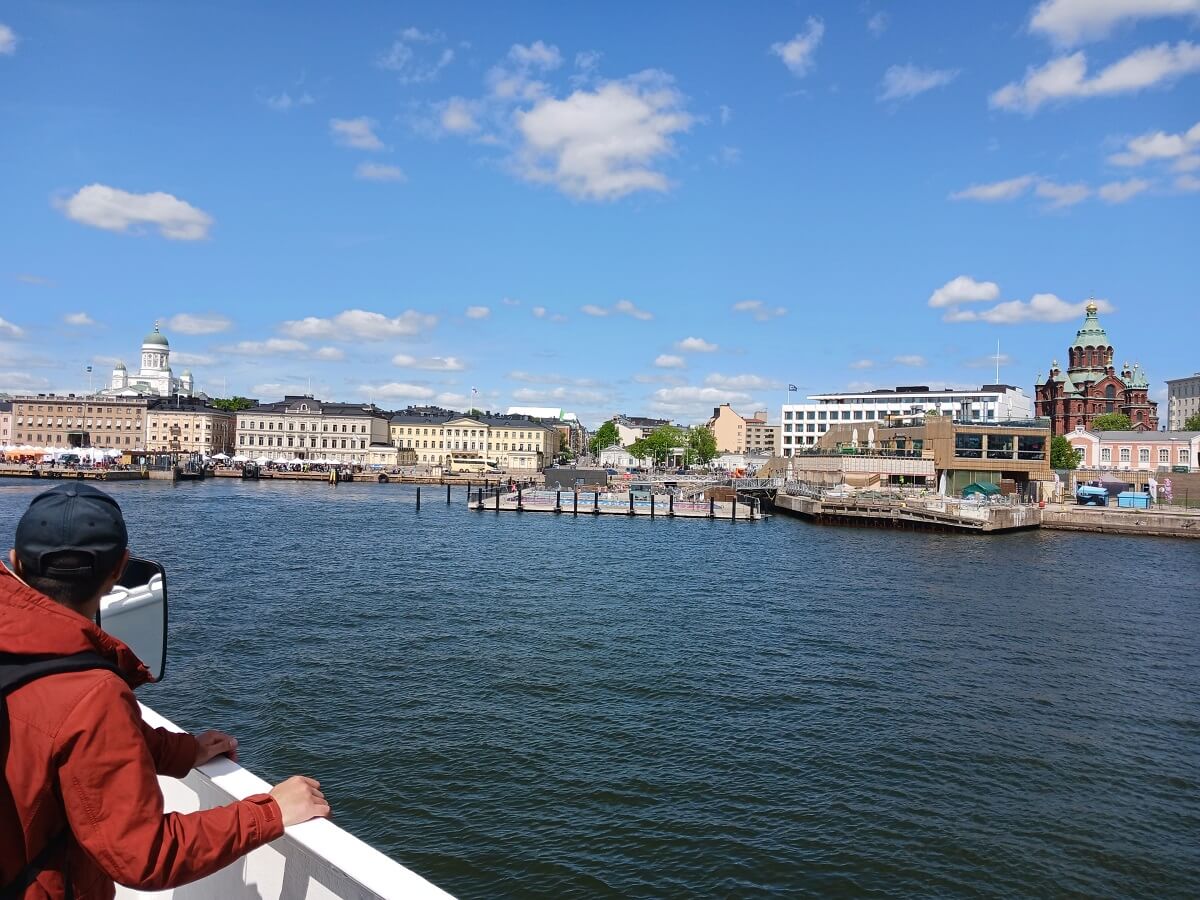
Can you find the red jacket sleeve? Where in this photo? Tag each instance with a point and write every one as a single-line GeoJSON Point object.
{"type": "Point", "coordinates": [173, 752]}
{"type": "Point", "coordinates": [115, 809]}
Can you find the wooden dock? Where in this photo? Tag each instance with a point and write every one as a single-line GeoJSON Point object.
{"type": "Point", "coordinates": [7, 471]}
{"type": "Point", "coordinates": [587, 503]}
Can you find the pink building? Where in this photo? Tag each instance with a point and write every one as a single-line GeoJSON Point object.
{"type": "Point", "coordinates": [1137, 451]}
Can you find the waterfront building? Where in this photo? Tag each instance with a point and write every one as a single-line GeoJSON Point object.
{"type": "Point", "coordinates": [155, 377]}
{"type": "Point", "coordinates": [1143, 451]}
{"type": "Point", "coordinates": [962, 452]}
{"type": "Point", "coordinates": [6, 422]}
{"type": "Point", "coordinates": [301, 427]}
{"type": "Point", "coordinates": [575, 436]}
{"type": "Point", "coordinates": [188, 425]}
{"type": "Point", "coordinates": [739, 434]}
{"type": "Point", "coordinates": [1183, 400]}
{"type": "Point", "coordinates": [617, 457]}
{"type": "Point", "coordinates": [85, 420]}
{"type": "Point", "coordinates": [804, 423]}
{"type": "Point", "coordinates": [634, 428]}
{"type": "Point", "coordinates": [1091, 386]}
{"type": "Point", "coordinates": [510, 442]}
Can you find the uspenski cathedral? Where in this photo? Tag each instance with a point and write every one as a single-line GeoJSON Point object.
{"type": "Point", "coordinates": [1091, 385]}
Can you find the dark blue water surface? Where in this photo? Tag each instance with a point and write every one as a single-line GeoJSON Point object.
{"type": "Point", "coordinates": [543, 705]}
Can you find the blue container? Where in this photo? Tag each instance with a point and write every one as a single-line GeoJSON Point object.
{"type": "Point", "coordinates": [1133, 500]}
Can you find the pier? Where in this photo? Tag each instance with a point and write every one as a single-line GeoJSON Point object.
{"type": "Point", "coordinates": [12, 471]}
{"type": "Point", "coordinates": [873, 509]}
{"type": "Point", "coordinates": [663, 506]}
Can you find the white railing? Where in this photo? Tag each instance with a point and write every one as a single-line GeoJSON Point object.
{"type": "Point", "coordinates": [313, 861]}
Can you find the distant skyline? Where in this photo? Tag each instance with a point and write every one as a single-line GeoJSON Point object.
{"type": "Point", "coordinates": [649, 209]}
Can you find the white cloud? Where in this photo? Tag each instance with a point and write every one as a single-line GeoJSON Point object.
{"type": "Point", "coordinates": [192, 359]}
{"type": "Point", "coordinates": [760, 310]}
{"type": "Point", "coordinates": [602, 144]}
{"type": "Point", "coordinates": [877, 24]}
{"type": "Point", "coordinates": [398, 390]}
{"type": "Point", "coordinates": [987, 362]}
{"type": "Point", "coordinates": [459, 116]}
{"type": "Point", "coordinates": [360, 324]}
{"type": "Point", "coordinates": [20, 382]}
{"type": "Point", "coordinates": [1187, 183]}
{"type": "Point", "coordinates": [797, 54]}
{"type": "Point", "coordinates": [696, 345]}
{"type": "Point", "coordinates": [1120, 191]}
{"type": "Point", "coordinates": [357, 133]}
{"type": "Point", "coordinates": [1062, 195]}
{"type": "Point", "coordinates": [911, 359]}
{"type": "Point", "coordinates": [8, 40]}
{"type": "Point", "coordinates": [369, 171]}
{"type": "Point", "coordinates": [863, 364]}
{"type": "Point", "coordinates": [550, 378]}
{"type": "Point", "coordinates": [1159, 145]}
{"type": "Point", "coordinates": [692, 402]}
{"type": "Point", "coordinates": [79, 319]}
{"type": "Point", "coordinates": [269, 347]}
{"type": "Point", "coordinates": [26, 278]}
{"type": "Point", "coordinates": [537, 55]}
{"type": "Point", "coordinates": [539, 312]}
{"type": "Point", "coordinates": [906, 82]}
{"type": "Point", "coordinates": [658, 378]}
{"type": "Point", "coordinates": [1070, 22]}
{"type": "Point", "coordinates": [560, 394]}
{"type": "Point", "coordinates": [742, 382]}
{"type": "Point", "coordinates": [964, 289]}
{"type": "Point", "coordinates": [511, 301]}
{"type": "Point", "coordinates": [432, 363]}
{"type": "Point", "coordinates": [1040, 308]}
{"type": "Point", "coordinates": [725, 113]}
{"type": "Point", "coordinates": [591, 309]}
{"type": "Point", "coordinates": [410, 66]}
{"type": "Point", "coordinates": [206, 323]}
{"type": "Point", "coordinates": [8, 329]}
{"type": "Point", "coordinates": [116, 210]}
{"type": "Point", "coordinates": [283, 101]}
{"type": "Point", "coordinates": [330, 354]}
{"type": "Point", "coordinates": [1066, 77]}
{"type": "Point", "coordinates": [996, 190]}
{"type": "Point", "coordinates": [670, 361]}
{"type": "Point", "coordinates": [478, 312]}
{"type": "Point", "coordinates": [627, 308]}
{"type": "Point", "coordinates": [292, 388]}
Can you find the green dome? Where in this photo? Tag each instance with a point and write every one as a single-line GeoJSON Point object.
{"type": "Point", "coordinates": [155, 337]}
{"type": "Point", "coordinates": [1139, 379]}
{"type": "Point", "coordinates": [1091, 334]}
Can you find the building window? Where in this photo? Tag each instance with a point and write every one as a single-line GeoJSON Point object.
{"type": "Point", "coordinates": [1143, 454]}
{"type": "Point", "coordinates": [1124, 454]}
{"type": "Point", "coordinates": [1185, 457]}
{"type": "Point", "coordinates": [1106, 454]}
{"type": "Point", "coordinates": [1164, 455]}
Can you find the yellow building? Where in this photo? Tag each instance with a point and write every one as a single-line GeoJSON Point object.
{"type": "Point", "coordinates": [188, 426]}
{"type": "Point", "coordinates": [738, 434]}
{"type": "Point", "coordinates": [510, 442]}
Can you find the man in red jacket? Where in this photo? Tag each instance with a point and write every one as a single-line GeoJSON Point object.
{"type": "Point", "coordinates": [81, 808]}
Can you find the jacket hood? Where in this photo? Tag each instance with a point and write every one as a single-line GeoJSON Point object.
{"type": "Point", "coordinates": [31, 623]}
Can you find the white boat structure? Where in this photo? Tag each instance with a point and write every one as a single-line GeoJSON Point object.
{"type": "Point", "coordinates": [316, 860]}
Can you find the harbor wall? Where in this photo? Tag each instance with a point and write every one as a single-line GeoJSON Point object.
{"type": "Point", "coordinates": [1154, 522]}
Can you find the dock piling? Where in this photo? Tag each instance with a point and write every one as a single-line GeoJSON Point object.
{"type": "Point", "coordinates": [631, 503]}
{"type": "Point", "coordinates": [652, 506]}
{"type": "Point", "coordinates": [418, 498]}
{"type": "Point", "coordinates": [575, 507]}
{"type": "Point", "coordinates": [712, 509]}
{"type": "Point", "coordinates": [733, 509]}
{"type": "Point", "coordinates": [558, 501]}
{"type": "Point", "coordinates": [520, 505]}
{"type": "Point", "coordinates": [497, 498]}
{"type": "Point", "coordinates": [671, 506]}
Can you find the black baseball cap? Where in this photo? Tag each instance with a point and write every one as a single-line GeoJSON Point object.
{"type": "Point", "coordinates": [74, 517]}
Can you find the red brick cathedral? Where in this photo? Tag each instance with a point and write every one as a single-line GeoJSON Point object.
{"type": "Point", "coordinates": [1091, 386]}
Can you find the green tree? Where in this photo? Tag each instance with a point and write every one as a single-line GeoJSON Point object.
{"type": "Point", "coordinates": [606, 435]}
{"type": "Point", "coordinates": [662, 440]}
{"type": "Point", "coordinates": [1111, 422]}
{"type": "Point", "coordinates": [233, 404]}
{"type": "Point", "coordinates": [1062, 454]}
{"type": "Point", "coordinates": [702, 444]}
{"type": "Point", "coordinates": [1192, 423]}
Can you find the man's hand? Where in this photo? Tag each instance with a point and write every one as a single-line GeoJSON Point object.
{"type": "Point", "coordinates": [214, 743]}
{"type": "Point", "coordinates": [300, 799]}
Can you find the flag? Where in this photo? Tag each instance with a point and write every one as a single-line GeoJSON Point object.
{"type": "Point", "coordinates": [89, 368]}
{"type": "Point", "coordinates": [792, 387]}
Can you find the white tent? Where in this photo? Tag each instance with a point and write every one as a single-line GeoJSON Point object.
{"type": "Point", "coordinates": [239, 458]}
{"type": "Point", "coordinates": [220, 456]}
{"type": "Point", "coordinates": [262, 460]}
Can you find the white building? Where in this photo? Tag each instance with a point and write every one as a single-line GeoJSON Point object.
{"type": "Point", "coordinates": [301, 427]}
{"type": "Point", "coordinates": [804, 423]}
{"type": "Point", "coordinates": [154, 378]}
{"type": "Point", "coordinates": [617, 457]}
{"type": "Point", "coordinates": [1183, 400]}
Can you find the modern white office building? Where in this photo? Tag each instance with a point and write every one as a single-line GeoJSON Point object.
{"type": "Point", "coordinates": [804, 423]}
{"type": "Point", "coordinates": [1183, 400]}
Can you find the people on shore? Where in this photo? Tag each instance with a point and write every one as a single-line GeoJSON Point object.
{"type": "Point", "coordinates": [81, 808]}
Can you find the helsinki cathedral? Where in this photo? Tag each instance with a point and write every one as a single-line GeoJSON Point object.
{"type": "Point", "coordinates": [155, 377]}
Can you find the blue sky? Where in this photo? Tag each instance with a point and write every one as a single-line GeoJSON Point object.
{"type": "Point", "coordinates": [648, 208]}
